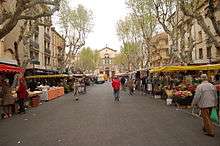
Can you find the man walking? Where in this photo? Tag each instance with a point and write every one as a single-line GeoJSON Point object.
{"type": "Point", "coordinates": [206, 98]}
{"type": "Point", "coordinates": [116, 87]}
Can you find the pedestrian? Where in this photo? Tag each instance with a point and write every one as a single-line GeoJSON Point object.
{"type": "Point", "coordinates": [76, 89]}
{"type": "Point", "coordinates": [131, 86]}
{"type": "Point", "coordinates": [8, 99]}
{"type": "Point", "coordinates": [123, 80]}
{"type": "Point", "coordinates": [206, 98]}
{"type": "Point", "coordinates": [116, 87]}
{"type": "Point", "coordinates": [144, 84]}
{"type": "Point", "coordinates": [22, 95]}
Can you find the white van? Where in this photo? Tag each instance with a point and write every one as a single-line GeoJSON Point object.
{"type": "Point", "coordinates": [100, 79]}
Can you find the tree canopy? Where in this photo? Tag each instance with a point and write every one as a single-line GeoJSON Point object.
{"type": "Point", "coordinates": [16, 10]}
{"type": "Point", "coordinates": [76, 23]}
{"type": "Point", "coordinates": [87, 60]}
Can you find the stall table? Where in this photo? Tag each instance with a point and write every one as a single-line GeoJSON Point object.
{"type": "Point", "coordinates": [55, 92]}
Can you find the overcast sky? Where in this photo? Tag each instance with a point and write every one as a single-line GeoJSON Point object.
{"type": "Point", "coordinates": [106, 14]}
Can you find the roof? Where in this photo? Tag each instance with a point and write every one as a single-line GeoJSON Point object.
{"type": "Point", "coordinates": [54, 30]}
{"type": "Point", "coordinates": [108, 49]}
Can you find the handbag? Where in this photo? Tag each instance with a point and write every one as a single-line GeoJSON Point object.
{"type": "Point", "coordinates": [214, 115]}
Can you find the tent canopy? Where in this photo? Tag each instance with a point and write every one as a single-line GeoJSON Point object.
{"type": "Point", "coordinates": [10, 68]}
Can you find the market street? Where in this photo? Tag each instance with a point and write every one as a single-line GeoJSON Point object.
{"type": "Point", "coordinates": [97, 121]}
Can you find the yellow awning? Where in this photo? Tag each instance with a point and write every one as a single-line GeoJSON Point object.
{"type": "Point", "coordinates": [45, 76]}
{"type": "Point", "coordinates": [185, 68]}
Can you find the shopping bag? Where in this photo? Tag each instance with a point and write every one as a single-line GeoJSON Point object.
{"type": "Point", "coordinates": [214, 115]}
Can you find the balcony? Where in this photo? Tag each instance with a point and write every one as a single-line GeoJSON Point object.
{"type": "Point", "coordinates": [46, 36]}
{"type": "Point", "coordinates": [209, 42]}
{"type": "Point", "coordinates": [48, 51]}
{"type": "Point", "coordinates": [60, 55]}
{"type": "Point", "coordinates": [34, 45]}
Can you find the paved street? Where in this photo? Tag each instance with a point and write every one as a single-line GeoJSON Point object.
{"type": "Point", "coordinates": [97, 121]}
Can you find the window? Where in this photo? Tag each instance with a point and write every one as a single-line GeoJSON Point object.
{"type": "Point", "coordinates": [106, 61]}
{"type": "Point", "coordinates": [166, 42]}
{"type": "Point", "coordinates": [200, 36]}
{"type": "Point", "coordinates": [209, 53]}
{"type": "Point", "coordinates": [48, 45]}
{"type": "Point", "coordinates": [45, 44]}
{"type": "Point", "coordinates": [106, 55]}
{"type": "Point", "coordinates": [35, 37]}
{"type": "Point", "coordinates": [32, 54]}
{"type": "Point", "coordinates": [200, 53]}
{"type": "Point", "coordinates": [47, 60]}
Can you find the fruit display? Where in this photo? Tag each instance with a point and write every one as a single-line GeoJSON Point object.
{"type": "Point", "coordinates": [183, 93]}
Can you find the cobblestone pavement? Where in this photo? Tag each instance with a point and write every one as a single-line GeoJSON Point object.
{"type": "Point", "coordinates": [98, 121]}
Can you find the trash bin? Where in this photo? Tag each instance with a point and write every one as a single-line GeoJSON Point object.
{"type": "Point", "coordinates": [35, 101]}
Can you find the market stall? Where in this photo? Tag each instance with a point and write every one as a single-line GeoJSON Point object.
{"type": "Point", "coordinates": [8, 72]}
{"type": "Point", "coordinates": [49, 91]}
{"type": "Point", "coordinates": [181, 91]}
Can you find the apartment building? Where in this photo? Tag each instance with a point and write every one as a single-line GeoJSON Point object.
{"type": "Point", "coordinates": [196, 43]}
{"type": "Point", "coordinates": [57, 49]}
{"type": "Point", "coordinates": [159, 54]}
{"type": "Point", "coordinates": [33, 50]}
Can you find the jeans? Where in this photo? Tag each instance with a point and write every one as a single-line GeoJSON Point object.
{"type": "Point", "coordinates": [116, 95]}
{"type": "Point", "coordinates": [21, 104]}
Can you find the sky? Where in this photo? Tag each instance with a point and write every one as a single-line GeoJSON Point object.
{"type": "Point", "coordinates": [106, 13]}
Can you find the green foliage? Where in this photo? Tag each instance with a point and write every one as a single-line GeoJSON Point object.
{"type": "Point", "coordinates": [76, 24]}
{"type": "Point", "coordinates": [88, 59]}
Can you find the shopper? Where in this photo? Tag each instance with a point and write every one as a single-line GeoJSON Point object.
{"type": "Point", "coordinates": [123, 80]}
{"type": "Point", "coordinates": [76, 89]}
{"type": "Point", "coordinates": [206, 98]}
{"type": "Point", "coordinates": [116, 87]}
{"type": "Point", "coordinates": [22, 95]}
{"type": "Point", "coordinates": [131, 86]}
{"type": "Point", "coordinates": [8, 99]}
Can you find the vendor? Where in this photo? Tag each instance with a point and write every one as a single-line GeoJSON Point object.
{"type": "Point", "coordinates": [32, 85]}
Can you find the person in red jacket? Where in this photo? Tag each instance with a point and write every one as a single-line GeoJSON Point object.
{"type": "Point", "coordinates": [22, 94]}
{"type": "Point", "coordinates": [116, 87]}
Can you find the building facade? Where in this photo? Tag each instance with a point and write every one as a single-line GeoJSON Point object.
{"type": "Point", "coordinates": [106, 65]}
{"type": "Point", "coordinates": [44, 47]}
{"type": "Point", "coordinates": [195, 42]}
{"type": "Point", "coordinates": [159, 54]}
{"type": "Point", "coordinates": [57, 49]}
{"type": "Point", "coordinates": [205, 50]}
